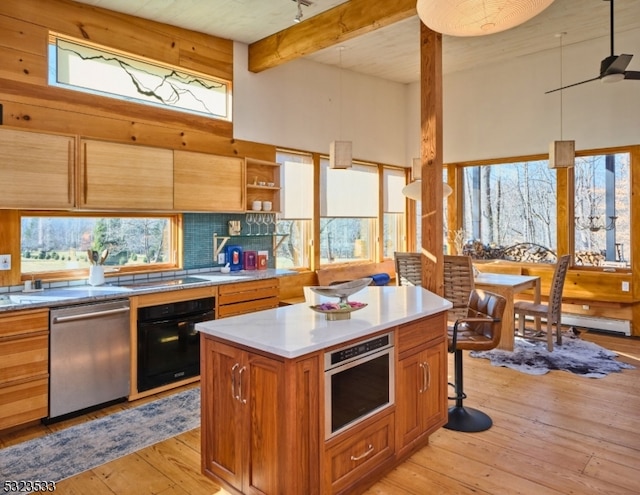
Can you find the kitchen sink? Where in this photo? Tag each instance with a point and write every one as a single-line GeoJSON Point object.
{"type": "Point", "coordinates": [34, 298]}
{"type": "Point", "coordinates": [221, 278]}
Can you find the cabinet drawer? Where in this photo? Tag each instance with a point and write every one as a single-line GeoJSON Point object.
{"type": "Point", "coordinates": [247, 307]}
{"type": "Point", "coordinates": [415, 335]}
{"type": "Point", "coordinates": [230, 290]}
{"type": "Point", "coordinates": [24, 322]}
{"type": "Point", "coordinates": [24, 402]}
{"type": "Point", "coordinates": [24, 358]}
{"type": "Point", "coordinates": [359, 454]}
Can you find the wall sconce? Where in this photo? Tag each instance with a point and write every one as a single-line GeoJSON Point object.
{"type": "Point", "coordinates": [477, 17]}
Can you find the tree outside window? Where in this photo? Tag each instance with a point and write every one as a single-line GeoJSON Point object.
{"type": "Point", "coordinates": [602, 210]}
{"type": "Point", "coordinates": [510, 212]}
{"type": "Point", "coordinates": [57, 243]}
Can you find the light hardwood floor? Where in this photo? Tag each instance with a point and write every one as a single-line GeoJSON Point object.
{"type": "Point", "coordinates": [554, 434]}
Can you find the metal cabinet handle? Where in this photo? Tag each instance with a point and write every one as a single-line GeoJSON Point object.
{"type": "Point", "coordinates": [86, 316]}
{"type": "Point", "coordinates": [240, 398]}
{"type": "Point", "coordinates": [369, 451]}
{"type": "Point", "coordinates": [233, 380]}
{"type": "Point", "coordinates": [423, 385]}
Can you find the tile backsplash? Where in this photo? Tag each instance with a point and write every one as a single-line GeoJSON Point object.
{"type": "Point", "coordinates": [198, 231]}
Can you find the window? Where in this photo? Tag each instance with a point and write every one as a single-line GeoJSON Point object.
{"type": "Point", "coordinates": [52, 245]}
{"type": "Point", "coordinates": [349, 213]}
{"type": "Point", "coordinates": [510, 212]}
{"type": "Point", "coordinates": [90, 68]}
{"type": "Point", "coordinates": [295, 222]}
{"type": "Point", "coordinates": [394, 232]}
{"type": "Point", "coordinates": [418, 218]}
{"type": "Point", "coordinates": [602, 210]}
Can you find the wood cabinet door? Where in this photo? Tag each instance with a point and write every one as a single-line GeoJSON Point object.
{"type": "Point", "coordinates": [421, 399]}
{"type": "Point", "coordinates": [224, 420]}
{"type": "Point", "coordinates": [124, 176]}
{"type": "Point", "coordinates": [37, 170]}
{"type": "Point", "coordinates": [409, 398]}
{"type": "Point", "coordinates": [435, 408]}
{"type": "Point", "coordinates": [264, 409]}
{"type": "Point", "coordinates": [204, 182]}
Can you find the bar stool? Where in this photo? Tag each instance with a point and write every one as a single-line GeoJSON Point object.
{"type": "Point", "coordinates": [478, 331]}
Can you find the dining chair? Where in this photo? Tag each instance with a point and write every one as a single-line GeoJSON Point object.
{"type": "Point", "coordinates": [408, 268]}
{"type": "Point", "coordinates": [479, 330]}
{"type": "Point", "coordinates": [458, 284]}
{"type": "Point", "coordinates": [552, 310]}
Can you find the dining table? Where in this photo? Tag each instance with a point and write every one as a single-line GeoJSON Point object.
{"type": "Point", "coordinates": [508, 286]}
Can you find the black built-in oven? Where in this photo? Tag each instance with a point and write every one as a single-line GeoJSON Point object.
{"type": "Point", "coordinates": [168, 343]}
{"type": "Point", "coordinates": [359, 382]}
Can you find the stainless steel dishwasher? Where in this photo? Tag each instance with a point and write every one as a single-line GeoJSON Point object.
{"type": "Point", "coordinates": [89, 356]}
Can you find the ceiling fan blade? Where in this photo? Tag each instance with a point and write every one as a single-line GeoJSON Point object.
{"type": "Point", "coordinates": [615, 65]}
{"type": "Point", "coordinates": [632, 74]}
{"type": "Point", "coordinates": [571, 85]}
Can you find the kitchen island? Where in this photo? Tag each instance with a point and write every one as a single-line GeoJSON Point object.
{"type": "Point", "coordinates": [268, 399]}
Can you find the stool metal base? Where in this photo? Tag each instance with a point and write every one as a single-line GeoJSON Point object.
{"type": "Point", "coordinates": [467, 419]}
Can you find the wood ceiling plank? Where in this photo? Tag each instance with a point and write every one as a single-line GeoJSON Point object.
{"type": "Point", "coordinates": [331, 27]}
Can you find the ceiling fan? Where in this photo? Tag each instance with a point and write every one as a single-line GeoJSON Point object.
{"type": "Point", "coordinates": [613, 68]}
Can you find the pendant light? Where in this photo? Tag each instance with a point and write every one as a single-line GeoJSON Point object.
{"type": "Point", "coordinates": [477, 17]}
{"type": "Point", "coordinates": [340, 155]}
{"type": "Point", "coordinates": [562, 154]}
{"type": "Point", "coordinates": [413, 190]}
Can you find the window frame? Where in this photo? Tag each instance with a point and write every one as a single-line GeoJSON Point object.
{"type": "Point", "coordinates": [152, 100]}
{"type": "Point", "coordinates": [374, 222]}
{"type": "Point", "coordinates": [565, 216]}
{"type": "Point", "coordinates": [174, 236]}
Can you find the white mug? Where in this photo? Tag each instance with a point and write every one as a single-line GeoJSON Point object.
{"type": "Point", "coordinates": [256, 205]}
{"type": "Point", "coordinates": [267, 205]}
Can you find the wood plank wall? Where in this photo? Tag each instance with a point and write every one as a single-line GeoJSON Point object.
{"type": "Point", "coordinates": [29, 103]}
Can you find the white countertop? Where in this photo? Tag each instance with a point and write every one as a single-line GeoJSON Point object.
{"type": "Point", "coordinates": [296, 330]}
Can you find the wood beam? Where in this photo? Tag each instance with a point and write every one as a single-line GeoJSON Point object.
{"type": "Point", "coordinates": [431, 154]}
{"type": "Point", "coordinates": [344, 22]}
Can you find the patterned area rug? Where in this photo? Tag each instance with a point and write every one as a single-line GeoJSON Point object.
{"type": "Point", "coordinates": [574, 355]}
{"type": "Point", "coordinates": [71, 451]}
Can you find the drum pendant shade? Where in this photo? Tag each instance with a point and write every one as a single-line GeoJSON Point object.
{"type": "Point", "coordinates": [477, 17]}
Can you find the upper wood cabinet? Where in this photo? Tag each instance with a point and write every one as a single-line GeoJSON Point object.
{"type": "Point", "coordinates": [205, 182]}
{"type": "Point", "coordinates": [115, 176]}
{"type": "Point", "coordinates": [37, 170]}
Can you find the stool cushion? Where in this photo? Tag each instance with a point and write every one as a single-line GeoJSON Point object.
{"type": "Point", "coordinates": [380, 279]}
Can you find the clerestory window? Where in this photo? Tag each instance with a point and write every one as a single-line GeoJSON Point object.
{"type": "Point", "coordinates": [91, 68]}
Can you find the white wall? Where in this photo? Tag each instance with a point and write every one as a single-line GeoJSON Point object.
{"type": "Point", "coordinates": [501, 110]}
{"type": "Point", "coordinates": [297, 105]}
{"type": "Point", "coordinates": [498, 110]}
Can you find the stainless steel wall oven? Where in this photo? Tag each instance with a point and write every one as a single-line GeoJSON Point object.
{"type": "Point", "coordinates": [359, 382]}
{"type": "Point", "coordinates": [168, 343]}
